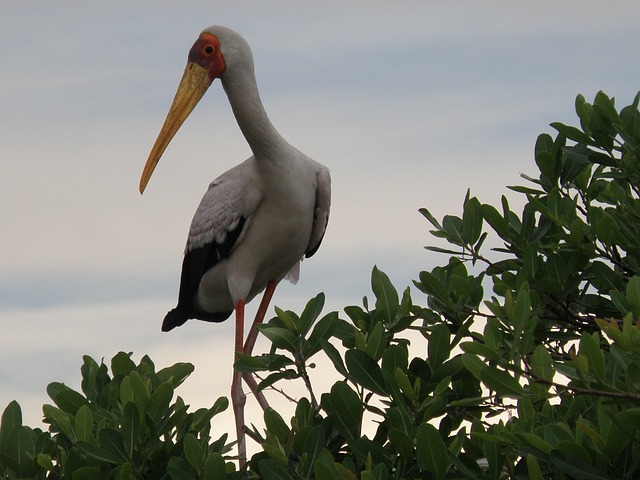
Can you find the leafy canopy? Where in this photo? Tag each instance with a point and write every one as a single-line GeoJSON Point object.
{"type": "Point", "coordinates": [528, 364]}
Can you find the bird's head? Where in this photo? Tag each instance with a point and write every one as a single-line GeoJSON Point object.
{"type": "Point", "coordinates": [206, 62]}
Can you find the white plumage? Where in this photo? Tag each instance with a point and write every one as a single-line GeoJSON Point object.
{"type": "Point", "coordinates": [256, 221]}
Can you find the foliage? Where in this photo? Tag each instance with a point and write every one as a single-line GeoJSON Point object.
{"type": "Point", "coordinates": [538, 379]}
{"type": "Point", "coordinates": [122, 426]}
{"type": "Point", "coordinates": [523, 363]}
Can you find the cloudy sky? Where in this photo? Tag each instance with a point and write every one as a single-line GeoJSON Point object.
{"type": "Point", "coordinates": [408, 103]}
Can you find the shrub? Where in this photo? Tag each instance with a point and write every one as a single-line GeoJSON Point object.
{"type": "Point", "coordinates": [531, 367]}
{"type": "Point", "coordinates": [122, 426]}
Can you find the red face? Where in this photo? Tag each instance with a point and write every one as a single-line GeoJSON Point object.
{"type": "Point", "coordinates": [207, 54]}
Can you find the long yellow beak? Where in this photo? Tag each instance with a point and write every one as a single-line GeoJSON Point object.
{"type": "Point", "coordinates": [195, 82]}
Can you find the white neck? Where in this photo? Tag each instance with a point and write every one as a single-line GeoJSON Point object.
{"type": "Point", "coordinates": [242, 91]}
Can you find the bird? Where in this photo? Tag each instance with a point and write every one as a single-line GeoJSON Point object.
{"type": "Point", "coordinates": [257, 221]}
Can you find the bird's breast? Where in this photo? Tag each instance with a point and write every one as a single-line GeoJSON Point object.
{"type": "Point", "coordinates": [276, 237]}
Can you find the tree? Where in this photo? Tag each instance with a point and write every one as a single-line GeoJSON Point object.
{"type": "Point", "coordinates": [532, 365]}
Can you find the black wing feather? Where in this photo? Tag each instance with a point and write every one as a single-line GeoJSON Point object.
{"type": "Point", "coordinates": [195, 264]}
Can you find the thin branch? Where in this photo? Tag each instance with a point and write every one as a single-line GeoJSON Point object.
{"type": "Point", "coordinates": [307, 382]}
{"type": "Point", "coordinates": [581, 390]}
{"type": "Point", "coordinates": [279, 390]}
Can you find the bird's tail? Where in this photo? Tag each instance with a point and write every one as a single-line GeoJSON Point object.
{"type": "Point", "coordinates": [179, 315]}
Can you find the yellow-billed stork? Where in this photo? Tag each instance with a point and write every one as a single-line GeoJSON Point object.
{"type": "Point", "coordinates": [256, 221]}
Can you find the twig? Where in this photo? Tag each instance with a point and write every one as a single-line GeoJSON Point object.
{"type": "Point", "coordinates": [302, 369]}
{"type": "Point", "coordinates": [280, 391]}
{"type": "Point", "coordinates": [581, 390]}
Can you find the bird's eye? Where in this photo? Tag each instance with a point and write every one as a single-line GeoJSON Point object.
{"type": "Point", "coordinates": [208, 50]}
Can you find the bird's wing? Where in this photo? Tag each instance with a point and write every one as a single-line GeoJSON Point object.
{"type": "Point", "coordinates": [321, 210]}
{"type": "Point", "coordinates": [219, 219]}
{"type": "Point", "coordinates": [217, 227]}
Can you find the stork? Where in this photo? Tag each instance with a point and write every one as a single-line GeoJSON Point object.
{"type": "Point", "coordinates": [256, 221]}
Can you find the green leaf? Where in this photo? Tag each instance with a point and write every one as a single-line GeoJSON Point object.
{"type": "Point", "coordinates": [276, 426]}
{"type": "Point", "coordinates": [111, 440]}
{"type": "Point", "coordinates": [633, 295]}
{"type": "Point", "coordinates": [376, 342]}
{"type": "Point", "coordinates": [130, 427]}
{"type": "Point", "coordinates": [387, 300]}
{"type": "Point", "coordinates": [427, 214]}
{"type": "Point", "coordinates": [279, 337]}
{"type": "Point", "coordinates": [84, 424]}
{"type": "Point", "coordinates": [121, 364]}
{"type": "Point", "coordinates": [365, 371]}
{"type": "Point", "coordinates": [590, 348]}
{"type": "Point", "coordinates": [472, 218]}
{"type": "Point", "coordinates": [220, 405]}
{"type": "Point", "coordinates": [68, 400]}
{"type": "Point", "coordinates": [521, 314]}
{"type": "Point", "coordinates": [453, 226]}
{"type": "Point", "coordinates": [326, 468]}
{"type": "Point", "coordinates": [496, 221]}
{"type": "Point", "coordinates": [273, 470]}
{"type": "Point", "coordinates": [547, 161]}
{"type": "Point", "coordinates": [439, 346]}
{"type": "Point", "coordinates": [276, 452]}
{"type": "Point", "coordinates": [403, 382]}
{"type": "Point", "coordinates": [493, 335]}
{"type": "Point", "coordinates": [126, 391]}
{"type": "Point", "coordinates": [193, 452]}
{"type": "Point", "coordinates": [622, 431]}
{"type": "Point", "coordinates": [58, 419]}
{"type": "Point", "coordinates": [99, 453]}
{"type": "Point", "coordinates": [493, 455]}
{"type": "Point", "coordinates": [585, 427]}
{"type": "Point", "coordinates": [431, 451]}
{"type": "Point", "coordinates": [501, 382]}
{"type": "Point", "coordinates": [533, 468]}
{"type": "Point", "coordinates": [577, 159]}
{"type": "Point", "coordinates": [473, 364]}
{"type": "Point", "coordinates": [11, 418]}
{"type": "Point", "coordinates": [335, 357]}
{"type": "Point", "coordinates": [395, 356]}
{"type": "Point", "coordinates": [576, 468]}
{"type": "Point", "coordinates": [248, 363]}
{"type": "Point", "coordinates": [311, 312]}
{"type": "Point", "coordinates": [606, 107]}
{"type": "Point", "coordinates": [347, 408]}
{"type": "Point", "coordinates": [159, 401]}
{"type": "Point", "coordinates": [573, 133]}
{"type": "Point", "coordinates": [87, 473]}
{"type": "Point", "coordinates": [401, 415]}
{"type": "Point", "coordinates": [431, 285]}
{"type": "Point", "coordinates": [322, 331]}
{"type": "Point", "coordinates": [535, 441]}
{"type": "Point", "coordinates": [313, 445]}
{"type": "Point", "coordinates": [542, 363]}
{"type": "Point", "coordinates": [176, 374]}
{"type": "Point", "coordinates": [402, 443]}
{"type": "Point", "coordinates": [275, 377]}
{"type": "Point", "coordinates": [214, 467]}
{"type": "Point", "coordinates": [287, 319]}
{"type": "Point", "coordinates": [480, 349]}
{"type": "Point", "coordinates": [139, 390]}
{"type": "Point", "coordinates": [179, 469]}
{"type": "Point", "coordinates": [18, 451]}
{"type": "Point", "coordinates": [304, 413]}
{"type": "Point", "coordinates": [584, 110]}
{"type": "Point", "coordinates": [94, 378]}
{"type": "Point", "coordinates": [123, 472]}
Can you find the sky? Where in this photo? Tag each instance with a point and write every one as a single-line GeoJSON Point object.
{"type": "Point", "coordinates": [408, 103]}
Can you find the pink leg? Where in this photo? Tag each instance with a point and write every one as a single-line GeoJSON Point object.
{"type": "Point", "coordinates": [251, 341]}
{"type": "Point", "coordinates": [238, 398]}
{"type": "Point", "coordinates": [262, 311]}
